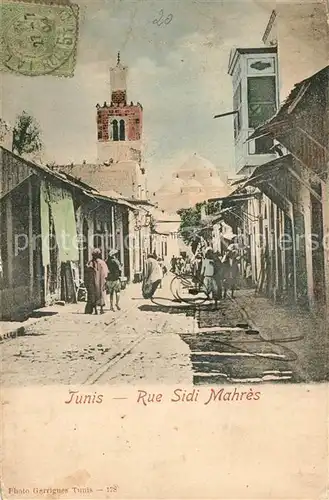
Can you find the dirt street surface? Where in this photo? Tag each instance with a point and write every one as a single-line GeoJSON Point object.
{"type": "Point", "coordinates": [247, 340]}
{"type": "Point", "coordinates": [138, 342]}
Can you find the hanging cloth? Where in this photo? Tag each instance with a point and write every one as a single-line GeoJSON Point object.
{"type": "Point", "coordinates": [44, 215]}
{"type": "Point", "coordinates": [62, 210]}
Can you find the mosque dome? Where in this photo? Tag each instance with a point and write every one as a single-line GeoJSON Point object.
{"type": "Point", "coordinates": [215, 186]}
{"type": "Point", "coordinates": [194, 182]}
{"type": "Point", "coordinates": [192, 185]}
{"type": "Point", "coordinates": [172, 187]}
{"type": "Point", "coordinates": [196, 166]}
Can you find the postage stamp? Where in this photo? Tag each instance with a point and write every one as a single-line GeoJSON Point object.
{"type": "Point", "coordinates": [39, 39]}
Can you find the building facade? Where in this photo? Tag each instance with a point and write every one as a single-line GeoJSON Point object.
{"type": "Point", "coordinates": [302, 126]}
{"type": "Point", "coordinates": [50, 222]}
{"type": "Point", "coordinates": [165, 235]}
{"type": "Point", "coordinates": [284, 222]}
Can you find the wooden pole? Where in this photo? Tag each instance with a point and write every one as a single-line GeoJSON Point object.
{"type": "Point", "coordinates": [306, 200]}
{"type": "Point", "coordinates": [325, 208]}
{"type": "Point", "coordinates": [275, 209]}
{"type": "Point", "coordinates": [294, 253]}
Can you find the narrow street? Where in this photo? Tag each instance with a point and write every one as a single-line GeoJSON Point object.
{"type": "Point", "coordinates": [125, 346]}
{"type": "Point", "coordinates": [166, 342]}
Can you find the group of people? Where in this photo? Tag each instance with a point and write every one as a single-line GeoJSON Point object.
{"type": "Point", "coordinates": [102, 277]}
{"type": "Point", "coordinates": [218, 273]}
{"type": "Point", "coordinates": [213, 272]}
{"type": "Point", "coordinates": [181, 265]}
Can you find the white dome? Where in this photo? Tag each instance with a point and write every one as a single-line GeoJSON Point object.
{"type": "Point", "coordinates": [172, 187]}
{"type": "Point", "coordinates": [192, 185]}
{"type": "Point", "coordinates": [214, 180]}
{"type": "Point", "coordinates": [196, 164]}
{"type": "Point", "coordinates": [215, 186]}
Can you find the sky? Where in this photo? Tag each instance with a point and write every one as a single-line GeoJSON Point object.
{"type": "Point", "coordinates": [177, 71]}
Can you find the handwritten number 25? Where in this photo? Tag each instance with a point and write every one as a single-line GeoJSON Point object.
{"type": "Point", "coordinates": [160, 22]}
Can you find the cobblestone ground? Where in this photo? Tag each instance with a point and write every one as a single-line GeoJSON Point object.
{"type": "Point", "coordinates": [140, 342]}
{"type": "Point", "coordinates": [247, 340]}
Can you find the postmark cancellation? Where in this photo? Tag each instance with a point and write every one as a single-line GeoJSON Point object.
{"type": "Point", "coordinates": [38, 38]}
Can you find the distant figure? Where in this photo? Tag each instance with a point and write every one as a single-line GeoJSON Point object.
{"type": "Point", "coordinates": [95, 278]}
{"type": "Point", "coordinates": [152, 277]}
{"type": "Point", "coordinates": [173, 264]}
{"type": "Point", "coordinates": [179, 265]}
{"type": "Point", "coordinates": [248, 275]}
{"type": "Point", "coordinates": [187, 269]}
{"type": "Point", "coordinates": [230, 272]}
{"type": "Point", "coordinates": [113, 279]}
{"type": "Point", "coordinates": [196, 268]}
{"type": "Point", "coordinates": [208, 274]}
{"type": "Point", "coordinates": [218, 275]}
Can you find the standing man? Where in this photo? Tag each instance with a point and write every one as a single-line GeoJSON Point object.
{"type": "Point", "coordinates": [173, 264]}
{"type": "Point", "coordinates": [208, 274]}
{"type": "Point", "coordinates": [95, 277]}
{"type": "Point", "coordinates": [230, 272]}
{"type": "Point", "coordinates": [196, 269]}
{"type": "Point", "coordinates": [113, 279]}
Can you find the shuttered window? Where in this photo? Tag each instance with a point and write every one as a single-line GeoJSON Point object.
{"type": "Point", "coordinates": [261, 100]}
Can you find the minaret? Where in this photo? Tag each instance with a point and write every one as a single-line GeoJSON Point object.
{"type": "Point", "coordinates": [119, 125]}
{"type": "Point", "coordinates": [118, 80]}
{"type": "Point", "coordinates": [119, 137]}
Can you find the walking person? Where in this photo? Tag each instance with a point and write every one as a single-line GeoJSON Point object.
{"type": "Point", "coordinates": [114, 278]}
{"type": "Point", "coordinates": [208, 274]}
{"type": "Point", "coordinates": [95, 278]}
{"type": "Point", "coordinates": [152, 277]}
{"type": "Point", "coordinates": [230, 272]}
